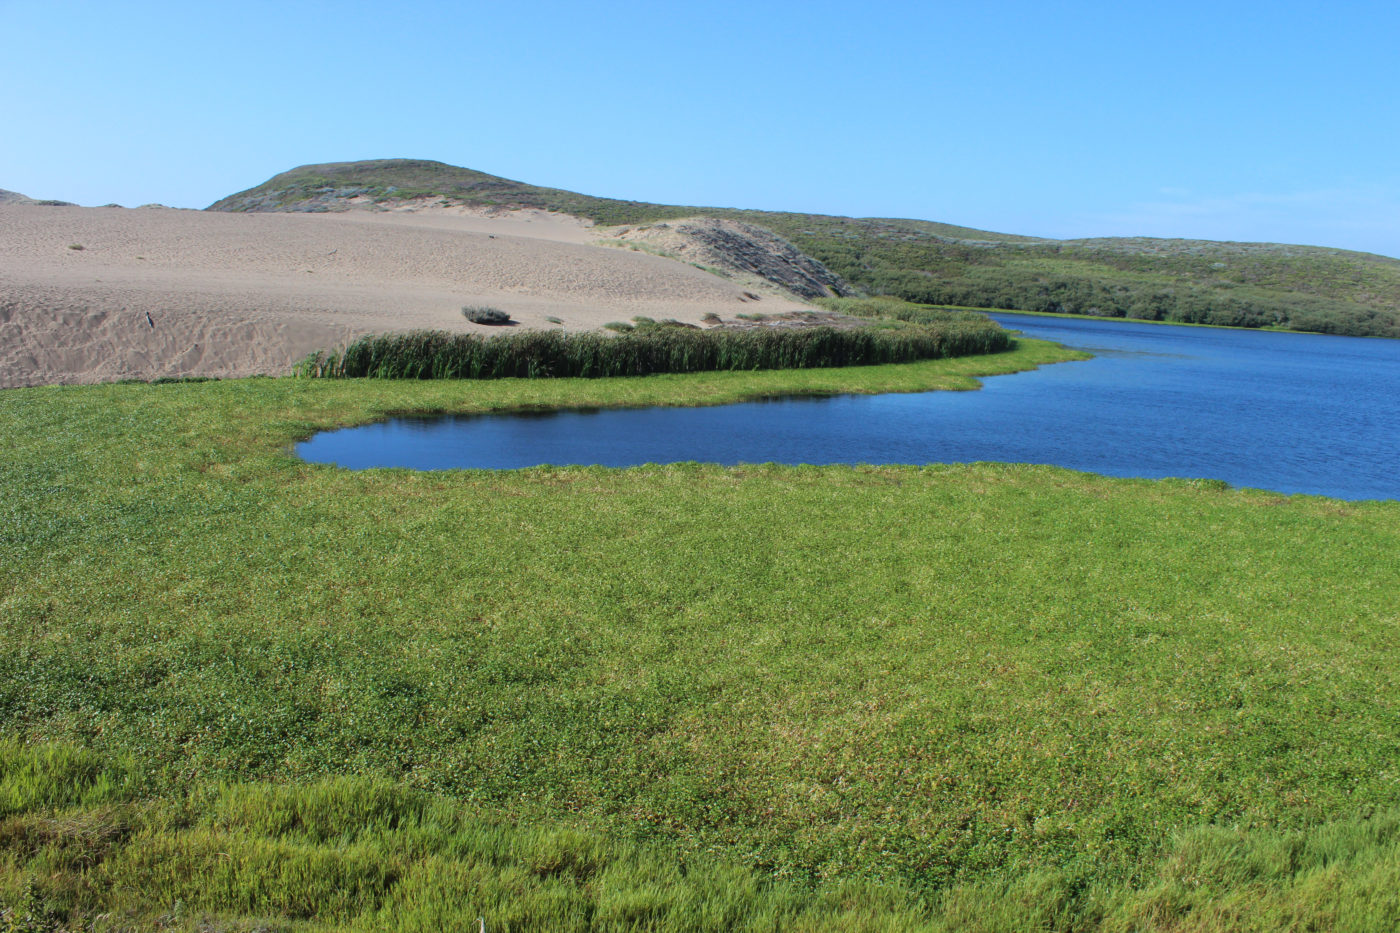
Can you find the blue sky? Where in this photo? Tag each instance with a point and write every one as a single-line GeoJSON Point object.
{"type": "Point", "coordinates": [1271, 121]}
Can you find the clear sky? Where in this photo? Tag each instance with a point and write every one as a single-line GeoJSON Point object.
{"type": "Point", "coordinates": [1275, 121]}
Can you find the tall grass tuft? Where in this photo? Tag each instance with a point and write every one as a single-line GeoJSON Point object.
{"type": "Point", "coordinates": [647, 350]}
{"type": "Point", "coordinates": [481, 314]}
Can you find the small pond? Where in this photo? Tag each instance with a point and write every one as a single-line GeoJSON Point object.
{"type": "Point", "coordinates": [1287, 412]}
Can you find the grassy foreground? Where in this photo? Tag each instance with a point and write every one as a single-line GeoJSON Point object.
{"type": "Point", "coordinates": [239, 691]}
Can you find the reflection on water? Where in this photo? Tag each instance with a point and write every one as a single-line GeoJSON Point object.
{"type": "Point", "coordinates": [1289, 412]}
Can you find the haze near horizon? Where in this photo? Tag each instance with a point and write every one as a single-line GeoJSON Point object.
{"type": "Point", "coordinates": [1241, 121]}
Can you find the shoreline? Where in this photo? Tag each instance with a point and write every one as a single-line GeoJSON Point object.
{"type": "Point", "coordinates": [1133, 320]}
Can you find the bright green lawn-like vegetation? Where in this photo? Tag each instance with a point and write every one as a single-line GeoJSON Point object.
{"type": "Point", "coordinates": [239, 691]}
{"type": "Point", "coordinates": [1305, 288]}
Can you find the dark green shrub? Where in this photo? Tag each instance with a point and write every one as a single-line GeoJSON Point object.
{"type": "Point", "coordinates": [480, 314]}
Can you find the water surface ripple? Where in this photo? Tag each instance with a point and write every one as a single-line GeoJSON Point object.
{"type": "Point", "coordinates": [1287, 412]}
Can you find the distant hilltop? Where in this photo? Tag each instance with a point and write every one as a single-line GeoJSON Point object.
{"type": "Point", "coordinates": [704, 237]}
{"type": "Point", "coordinates": [14, 197]}
{"type": "Point", "coordinates": [1303, 288]}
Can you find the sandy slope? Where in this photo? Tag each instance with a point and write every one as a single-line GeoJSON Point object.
{"type": "Point", "coordinates": [238, 294]}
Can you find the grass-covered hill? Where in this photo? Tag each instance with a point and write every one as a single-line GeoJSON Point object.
{"type": "Point", "coordinates": [1244, 284]}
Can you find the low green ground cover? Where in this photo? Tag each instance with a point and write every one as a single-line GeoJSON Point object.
{"type": "Point", "coordinates": [241, 690]}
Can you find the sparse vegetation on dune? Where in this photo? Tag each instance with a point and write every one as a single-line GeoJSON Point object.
{"type": "Point", "coordinates": [897, 309]}
{"type": "Point", "coordinates": [240, 687]}
{"type": "Point", "coordinates": [1195, 281]}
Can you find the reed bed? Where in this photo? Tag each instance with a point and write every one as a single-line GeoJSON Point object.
{"type": "Point", "coordinates": [647, 351]}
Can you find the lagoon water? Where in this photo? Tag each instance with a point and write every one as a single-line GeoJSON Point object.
{"type": "Point", "coordinates": [1279, 411]}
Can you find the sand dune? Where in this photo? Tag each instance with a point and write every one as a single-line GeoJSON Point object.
{"type": "Point", "coordinates": [161, 292]}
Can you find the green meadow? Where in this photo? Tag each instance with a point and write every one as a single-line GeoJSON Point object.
{"type": "Point", "coordinates": [239, 691]}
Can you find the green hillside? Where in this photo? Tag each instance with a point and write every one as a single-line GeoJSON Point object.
{"type": "Point", "coordinates": [315, 188]}
{"type": "Point", "coordinates": [1303, 288]}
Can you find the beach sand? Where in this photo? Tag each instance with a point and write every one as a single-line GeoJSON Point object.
{"type": "Point", "coordinates": [160, 292]}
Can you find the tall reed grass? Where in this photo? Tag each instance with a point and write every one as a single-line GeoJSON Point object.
{"type": "Point", "coordinates": [543, 354]}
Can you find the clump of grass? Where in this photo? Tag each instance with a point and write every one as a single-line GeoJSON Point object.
{"type": "Point", "coordinates": [641, 324]}
{"type": "Point", "coordinates": [645, 348]}
{"type": "Point", "coordinates": [78, 246]}
{"type": "Point", "coordinates": [554, 320]}
{"type": "Point", "coordinates": [620, 327]}
{"type": "Point", "coordinates": [752, 317]}
{"type": "Point", "coordinates": [481, 314]}
{"type": "Point", "coordinates": [712, 318]}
